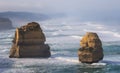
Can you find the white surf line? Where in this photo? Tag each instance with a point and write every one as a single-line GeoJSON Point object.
{"type": "Point", "coordinates": [67, 59]}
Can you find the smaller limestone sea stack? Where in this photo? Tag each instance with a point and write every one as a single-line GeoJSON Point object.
{"type": "Point", "coordinates": [29, 41]}
{"type": "Point", "coordinates": [91, 50]}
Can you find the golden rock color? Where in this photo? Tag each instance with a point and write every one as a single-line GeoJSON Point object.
{"type": "Point", "coordinates": [91, 48]}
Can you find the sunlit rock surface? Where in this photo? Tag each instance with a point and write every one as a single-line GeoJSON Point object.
{"type": "Point", "coordinates": [91, 48]}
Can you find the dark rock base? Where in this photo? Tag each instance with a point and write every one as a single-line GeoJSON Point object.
{"type": "Point", "coordinates": [26, 51]}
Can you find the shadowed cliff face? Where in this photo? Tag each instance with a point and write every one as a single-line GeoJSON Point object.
{"type": "Point", "coordinates": [5, 23]}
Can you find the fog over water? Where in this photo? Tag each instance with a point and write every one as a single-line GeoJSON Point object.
{"type": "Point", "coordinates": [92, 10]}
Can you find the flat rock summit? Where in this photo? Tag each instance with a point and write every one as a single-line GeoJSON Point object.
{"type": "Point", "coordinates": [29, 41]}
{"type": "Point", "coordinates": [91, 50]}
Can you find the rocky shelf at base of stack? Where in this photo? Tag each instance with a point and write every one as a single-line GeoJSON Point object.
{"type": "Point", "coordinates": [91, 50]}
{"type": "Point", "coordinates": [29, 41]}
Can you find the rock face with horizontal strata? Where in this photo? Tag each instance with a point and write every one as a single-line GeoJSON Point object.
{"type": "Point", "coordinates": [91, 50]}
{"type": "Point", "coordinates": [29, 41]}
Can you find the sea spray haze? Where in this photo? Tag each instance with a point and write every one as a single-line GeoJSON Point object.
{"type": "Point", "coordinates": [63, 39]}
{"type": "Point", "coordinates": [70, 21]}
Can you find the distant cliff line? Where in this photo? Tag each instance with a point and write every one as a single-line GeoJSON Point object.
{"type": "Point", "coordinates": [10, 19]}
{"type": "Point", "coordinates": [5, 23]}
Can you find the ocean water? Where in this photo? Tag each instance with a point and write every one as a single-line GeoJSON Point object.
{"type": "Point", "coordinates": [64, 38]}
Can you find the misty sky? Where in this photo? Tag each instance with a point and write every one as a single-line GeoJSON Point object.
{"type": "Point", "coordinates": [86, 9]}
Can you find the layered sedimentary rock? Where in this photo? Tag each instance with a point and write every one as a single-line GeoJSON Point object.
{"type": "Point", "coordinates": [91, 48]}
{"type": "Point", "coordinates": [5, 23]}
{"type": "Point", "coordinates": [29, 41]}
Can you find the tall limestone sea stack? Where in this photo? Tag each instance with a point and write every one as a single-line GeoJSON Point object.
{"type": "Point", "coordinates": [91, 50]}
{"type": "Point", "coordinates": [29, 41]}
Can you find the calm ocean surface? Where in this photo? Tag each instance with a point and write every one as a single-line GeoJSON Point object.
{"type": "Point", "coordinates": [64, 38]}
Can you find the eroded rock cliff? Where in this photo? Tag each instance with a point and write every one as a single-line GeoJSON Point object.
{"type": "Point", "coordinates": [29, 41]}
{"type": "Point", "coordinates": [91, 48]}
